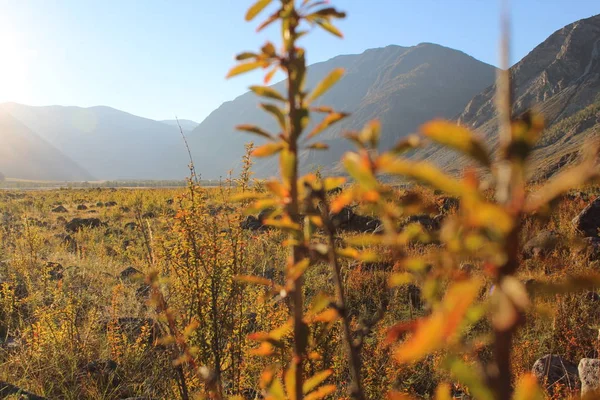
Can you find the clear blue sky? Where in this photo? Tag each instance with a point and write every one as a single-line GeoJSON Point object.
{"type": "Point", "coordinates": [161, 58]}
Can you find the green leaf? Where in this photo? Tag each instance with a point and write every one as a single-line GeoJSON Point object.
{"type": "Point", "coordinates": [266, 91]}
{"type": "Point", "coordinates": [256, 130]}
{"type": "Point", "coordinates": [318, 146]}
{"type": "Point", "coordinates": [245, 67]}
{"type": "Point", "coordinates": [330, 28]}
{"type": "Point", "coordinates": [326, 84]}
{"type": "Point", "coordinates": [328, 12]}
{"type": "Point", "coordinates": [276, 112]}
{"type": "Point", "coordinates": [245, 56]}
{"type": "Point", "coordinates": [328, 121]}
{"type": "Point", "coordinates": [256, 9]}
{"type": "Point", "coordinates": [458, 138]}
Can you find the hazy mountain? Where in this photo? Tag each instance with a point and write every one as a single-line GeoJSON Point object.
{"type": "Point", "coordinates": [560, 78]}
{"type": "Point", "coordinates": [402, 86]}
{"type": "Point", "coordinates": [186, 124]}
{"type": "Point", "coordinates": [109, 143]}
{"type": "Point", "coordinates": [25, 155]}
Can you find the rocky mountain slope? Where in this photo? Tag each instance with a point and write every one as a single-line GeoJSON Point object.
{"type": "Point", "coordinates": [25, 155]}
{"type": "Point", "coordinates": [402, 86]}
{"type": "Point", "coordinates": [561, 79]}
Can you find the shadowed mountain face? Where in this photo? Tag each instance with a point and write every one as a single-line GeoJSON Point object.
{"type": "Point", "coordinates": [561, 79]}
{"type": "Point", "coordinates": [24, 155]}
{"type": "Point", "coordinates": [109, 143]}
{"type": "Point", "coordinates": [402, 86]}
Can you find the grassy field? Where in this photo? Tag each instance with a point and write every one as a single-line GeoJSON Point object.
{"type": "Point", "coordinates": [77, 324]}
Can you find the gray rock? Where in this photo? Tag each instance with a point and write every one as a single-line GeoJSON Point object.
{"type": "Point", "coordinates": [60, 209]}
{"type": "Point", "coordinates": [77, 224]}
{"type": "Point", "coordinates": [552, 370]}
{"type": "Point", "coordinates": [589, 373]}
{"type": "Point", "coordinates": [588, 221]}
{"type": "Point", "coordinates": [129, 274]}
{"type": "Point", "coordinates": [252, 223]}
{"type": "Point", "coordinates": [82, 207]}
{"type": "Point", "coordinates": [6, 390]}
{"type": "Point", "coordinates": [541, 245]}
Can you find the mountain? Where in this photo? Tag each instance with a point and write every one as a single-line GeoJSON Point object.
{"type": "Point", "coordinates": [24, 155]}
{"type": "Point", "coordinates": [186, 124]}
{"type": "Point", "coordinates": [109, 143]}
{"type": "Point", "coordinates": [561, 79]}
{"type": "Point", "coordinates": [402, 86]}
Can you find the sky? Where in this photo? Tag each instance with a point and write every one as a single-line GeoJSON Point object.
{"type": "Point", "coordinates": [165, 58]}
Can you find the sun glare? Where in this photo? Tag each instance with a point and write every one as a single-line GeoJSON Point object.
{"type": "Point", "coordinates": [13, 66]}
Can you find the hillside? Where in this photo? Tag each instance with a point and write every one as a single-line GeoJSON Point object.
{"type": "Point", "coordinates": [186, 124]}
{"type": "Point", "coordinates": [561, 79]}
{"type": "Point", "coordinates": [25, 155]}
{"type": "Point", "coordinates": [109, 143]}
{"type": "Point", "coordinates": [402, 86]}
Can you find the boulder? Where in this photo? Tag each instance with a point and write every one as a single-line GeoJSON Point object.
{"type": "Point", "coordinates": [541, 245]}
{"type": "Point", "coordinates": [77, 224]}
{"type": "Point", "coordinates": [589, 373]}
{"type": "Point", "coordinates": [60, 209]}
{"type": "Point", "coordinates": [252, 223]}
{"type": "Point", "coordinates": [7, 390]}
{"type": "Point", "coordinates": [132, 226]}
{"type": "Point", "coordinates": [129, 274]}
{"type": "Point", "coordinates": [110, 204]}
{"type": "Point", "coordinates": [149, 214]}
{"type": "Point", "coordinates": [447, 204]}
{"type": "Point", "coordinates": [70, 243]}
{"type": "Point", "coordinates": [588, 221]}
{"type": "Point", "coordinates": [55, 270]}
{"type": "Point", "coordinates": [347, 220]}
{"type": "Point", "coordinates": [592, 248]}
{"type": "Point", "coordinates": [82, 207]}
{"type": "Point", "coordinates": [552, 370]}
{"type": "Point", "coordinates": [427, 222]}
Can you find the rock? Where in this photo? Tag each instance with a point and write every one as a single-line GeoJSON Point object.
{"type": "Point", "coordinates": [8, 390]}
{"type": "Point", "coordinates": [60, 209]}
{"type": "Point", "coordinates": [77, 224]}
{"type": "Point", "coordinates": [252, 223]}
{"type": "Point", "coordinates": [264, 214]}
{"type": "Point", "coordinates": [99, 204]}
{"type": "Point", "coordinates": [82, 207]}
{"type": "Point", "coordinates": [70, 243]}
{"type": "Point", "coordinates": [127, 243]}
{"type": "Point", "coordinates": [541, 245]}
{"type": "Point", "coordinates": [428, 223]}
{"type": "Point", "coordinates": [372, 266]}
{"type": "Point", "coordinates": [110, 204]}
{"type": "Point", "coordinates": [129, 274]}
{"type": "Point", "coordinates": [55, 270]}
{"type": "Point", "coordinates": [588, 221]}
{"type": "Point", "coordinates": [170, 202]}
{"type": "Point", "coordinates": [347, 220]}
{"type": "Point", "coordinates": [104, 372]}
{"type": "Point", "coordinates": [149, 214]}
{"type": "Point", "coordinates": [133, 327]}
{"type": "Point", "coordinates": [589, 373]}
{"type": "Point", "coordinates": [447, 204]}
{"type": "Point", "coordinates": [592, 297]}
{"type": "Point", "coordinates": [142, 293]}
{"type": "Point", "coordinates": [592, 249]}
{"type": "Point", "coordinates": [552, 370]}
{"type": "Point", "coordinates": [132, 226]}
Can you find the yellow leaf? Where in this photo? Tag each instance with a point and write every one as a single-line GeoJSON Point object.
{"type": "Point", "coordinates": [254, 280]}
{"type": "Point", "coordinates": [359, 168]}
{"type": "Point", "coordinates": [290, 381]}
{"type": "Point", "coordinates": [256, 130]}
{"type": "Point", "coordinates": [400, 278]}
{"type": "Point", "coordinates": [527, 388]}
{"type": "Point", "coordinates": [316, 380]}
{"type": "Point", "coordinates": [423, 172]}
{"type": "Point", "coordinates": [276, 112]}
{"type": "Point", "coordinates": [328, 121]}
{"type": "Point", "coordinates": [326, 84]}
{"type": "Point", "coordinates": [341, 201]}
{"type": "Point", "coordinates": [330, 28]}
{"type": "Point", "coordinates": [268, 92]}
{"type": "Point", "coordinates": [245, 67]}
{"type": "Point", "coordinates": [267, 149]}
{"type": "Point", "coordinates": [328, 315]}
{"type": "Point", "coordinates": [443, 392]}
{"type": "Point", "coordinates": [277, 189]}
{"type": "Point", "coordinates": [256, 9]}
{"type": "Point", "coordinates": [333, 182]}
{"type": "Point", "coordinates": [458, 138]}
{"type": "Point", "coordinates": [321, 393]}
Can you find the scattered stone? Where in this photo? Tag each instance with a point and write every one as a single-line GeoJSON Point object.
{"type": "Point", "coordinates": [589, 373]}
{"type": "Point", "coordinates": [129, 274]}
{"type": "Point", "coordinates": [592, 249]}
{"type": "Point", "coordinates": [82, 207]}
{"type": "Point", "coordinates": [127, 243]}
{"type": "Point", "coordinates": [252, 223]}
{"type": "Point", "coordinates": [60, 209]}
{"type": "Point", "coordinates": [110, 204]}
{"type": "Point", "coordinates": [170, 202]}
{"type": "Point", "coordinates": [588, 221]}
{"type": "Point", "coordinates": [77, 224]}
{"type": "Point", "coordinates": [8, 390]}
{"type": "Point", "coordinates": [541, 245]}
{"type": "Point", "coordinates": [347, 220]}
{"type": "Point", "coordinates": [552, 370]}
{"type": "Point", "coordinates": [55, 270]}
{"type": "Point", "coordinates": [428, 223]}
{"type": "Point", "coordinates": [99, 204]}
{"type": "Point", "coordinates": [134, 327]}
{"type": "Point", "coordinates": [132, 226]}
{"type": "Point", "coordinates": [103, 371]}
{"type": "Point", "coordinates": [149, 214]}
{"type": "Point", "coordinates": [70, 243]}
{"type": "Point", "coordinates": [447, 204]}
{"type": "Point", "coordinates": [92, 212]}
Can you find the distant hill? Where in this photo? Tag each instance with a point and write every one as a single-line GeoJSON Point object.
{"type": "Point", "coordinates": [109, 143]}
{"type": "Point", "coordinates": [186, 124]}
{"type": "Point", "coordinates": [561, 79]}
{"type": "Point", "coordinates": [402, 86]}
{"type": "Point", "coordinates": [24, 155]}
